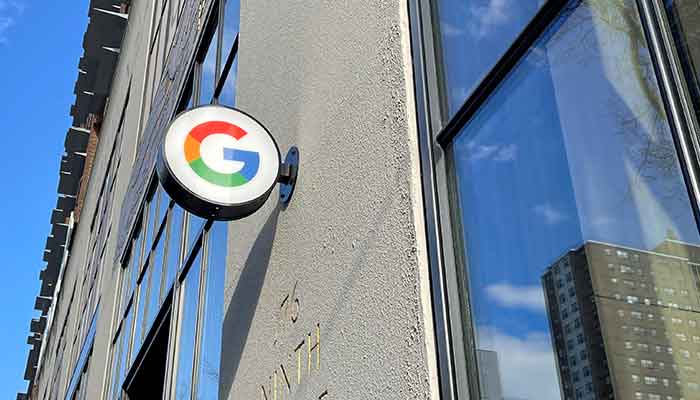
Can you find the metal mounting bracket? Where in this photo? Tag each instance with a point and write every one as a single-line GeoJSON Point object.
{"type": "Point", "coordinates": [288, 175]}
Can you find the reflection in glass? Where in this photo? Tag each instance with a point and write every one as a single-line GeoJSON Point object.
{"type": "Point", "coordinates": [136, 254]}
{"type": "Point", "coordinates": [163, 204]}
{"type": "Point", "coordinates": [228, 93]}
{"type": "Point", "coordinates": [116, 359]}
{"type": "Point", "coordinates": [578, 231]}
{"type": "Point", "coordinates": [176, 226]}
{"type": "Point", "coordinates": [124, 355]}
{"type": "Point", "coordinates": [141, 305]}
{"type": "Point", "coordinates": [208, 81]}
{"type": "Point", "coordinates": [187, 331]}
{"type": "Point", "coordinates": [474, 35]}
{"type": "Point", "coordinates": [684, 18]}
{"type": "Point", "coordinates": [230, 26]}
{"type": "Point", "coordinates": [156, 281]}
{"type": "Point", "coordinates": [151, 221]}
{"type": "Point", "coordinates": [194, 230]}
{"type": "Point", "coordinates": [213, 313]}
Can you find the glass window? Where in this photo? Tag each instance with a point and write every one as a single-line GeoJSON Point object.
{"type": "Point", "coordinates": [474, 35]}
{"type": "Point", "coordinates": [209, 68]}
{"type": "Point", "coordinates": [176, 226]}
{"type": "Point", "coordinates": [684, 19]}
{"type": "Point", "coordinates": [136, 255]}
{"type": "Point", "coordinates": [187, 331]}
{"type": "Point", "coordinates": [194, 229]}
{"type": "Point", "coordinates": [151, 221]}
{"type": "Point", "coordinates": [141, 305]}
{"type": "Point", "coordinates": [163, 205]}
{"type": "Point", "coordinates": [116, 360]}
{"type": "Point", "coordinates": [228, 92]}
{"type": "Point", "coordinates": [571, 155]}
{"type": "Point", "coordinates": [124, 350]}
{"type": "Point", "coordinates": [213, 309]}
{"type": "Point", "coordinates": [230, 27]}
{"type": "Point", "coordinates": [156, 281]}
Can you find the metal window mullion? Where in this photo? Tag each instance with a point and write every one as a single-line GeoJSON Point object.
{"type": "Point", "coordinates": [201, 311]}
{"type": "Point", "coordinates": [685, 145]}
{"type": "Point", "coordinates": [227, 68]}
{"type": "Point", "coordinates": [175, 314]}
{"type": "Point", "coordinates": [162, 290]}
{"type": "Point", "coordinates": [173, 357]}
{"type": "Point", "coordinates": [219, 45]}
{"type": "Point", "coordinates": [542, 20]}
{"type": "Point", "coordinates": [428, 112]}
{"type": "Point", "coordinates": [684, 96]}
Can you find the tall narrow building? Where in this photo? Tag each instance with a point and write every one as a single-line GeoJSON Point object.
{"type": "Point", "coordinates": [624, 321]}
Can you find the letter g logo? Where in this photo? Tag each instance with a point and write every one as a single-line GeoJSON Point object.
{"type": "Point", "coordinates": [192, 148]}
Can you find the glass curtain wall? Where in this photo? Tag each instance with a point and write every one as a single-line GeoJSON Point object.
{"type": "Point", "coordinates": [176, 261]}
{"type": "Point", "coordinates": [576, 242]}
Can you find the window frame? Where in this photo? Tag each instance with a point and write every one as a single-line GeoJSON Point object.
{"type": "Point", "coordinates": [456, 352]}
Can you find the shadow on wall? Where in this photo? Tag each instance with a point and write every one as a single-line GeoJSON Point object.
{"type": "Point", "coordinates": [241, 310]}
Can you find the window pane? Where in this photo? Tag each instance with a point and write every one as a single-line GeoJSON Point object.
{"type": "Point", "coordinates": [231, 22]}
{"type": "Point", "coordinates": [188, 328]}
{"type": "Point", "coordinates": [228, 93]}
{"type": "Point", "coordinates": [156, 282]}
{"type": "Point", "coordinates": [474, 35]}
{"type": "Point", "coordinates": [208, 81]}
{"type": "Point", "coordinates": [126, 334]}
{"type": "Point", "coordinates": [136, 254]}
{"type": "Point", "coordinates": [569, 187]}
{"type": "Point", "coordinates": [174, 244]}
{"type": "Point", "coordinates": [194, 230]}
{"type": "Point", "coordinates": [208, 387]}
{"type": "Point", "coordinates": [151, 221]}
{"type": "Point", "coordinates": [684, 17]}
{"type": "Point", "coordinates": [141, 306]}
{"type": "Point", "coordinates": [116, 359]}
{"type": "Point", "coordinates": [163, 204]}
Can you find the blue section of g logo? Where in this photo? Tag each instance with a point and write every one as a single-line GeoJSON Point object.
{"type": "Point", "coordinates": [250, 160]}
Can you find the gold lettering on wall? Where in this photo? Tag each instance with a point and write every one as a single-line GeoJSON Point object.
{"type": "Point", "coordinates": [279, 383]}
{"type": "Point", "coordinates": [291, 306]}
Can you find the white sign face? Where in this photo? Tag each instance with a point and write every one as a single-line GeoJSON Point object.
{"type": "Point", "coordinates": [222, 156]}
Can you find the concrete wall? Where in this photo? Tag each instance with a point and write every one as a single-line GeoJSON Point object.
{"type": "Point", "coordinates": [346, 260]}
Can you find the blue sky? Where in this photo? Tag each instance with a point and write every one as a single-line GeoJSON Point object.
{"type": "Point", "coordinates": [40, 45]}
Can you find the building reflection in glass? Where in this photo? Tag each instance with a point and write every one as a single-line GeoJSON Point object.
{"type": "Point", "coordinates": [624, 321]}
{"type": "Point", "coordinates": [571, 151]}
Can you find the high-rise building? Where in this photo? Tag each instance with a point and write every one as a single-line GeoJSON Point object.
{"type": "Point", "coordinates": [489, 375]}
{"type": "Point", "coordinates": [624, 321]}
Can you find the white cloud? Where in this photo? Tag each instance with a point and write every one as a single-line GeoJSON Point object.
{"type": "Point", "coordinates": [549, 213]}
{"type": "Point", "coordinates": [504, 153]}
{"type": "Point", "coordinates": [488, 16]}
{"type": "Point", "coordinates": [530, 298]}
{"type": "Point", "coordinates": [526, 364]}
{"type": "Point", "coordinates": [10, 10]}
{"type": "Point", "coordinates": [451, 30]}
{"type": "Point", "coordinates": [5, 24]}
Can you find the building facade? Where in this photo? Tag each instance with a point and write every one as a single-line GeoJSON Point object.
{"type": "Point", "coordinates": [450, 152]}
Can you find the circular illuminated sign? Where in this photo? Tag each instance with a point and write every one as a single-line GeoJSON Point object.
{"type": "Point", "coordinates": [218, 162]}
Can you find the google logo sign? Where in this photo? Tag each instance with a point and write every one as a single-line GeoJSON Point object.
{"type": "Point", "coordinates": [250, 159]}
{"type": "Point", "coordinates": [218, 162]}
